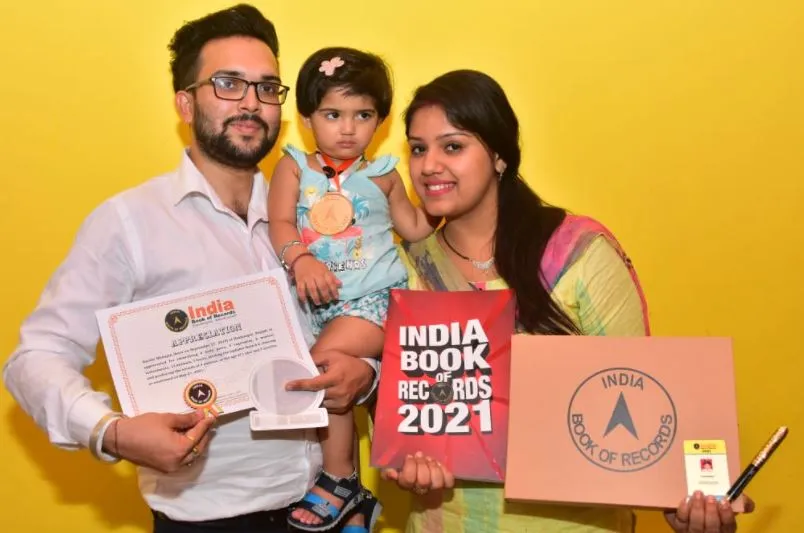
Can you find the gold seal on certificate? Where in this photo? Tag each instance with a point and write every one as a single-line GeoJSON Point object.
{"type": "Point", "coordinates": [332, 214]}
{"type": "Point", "coordinates": [201, 394]}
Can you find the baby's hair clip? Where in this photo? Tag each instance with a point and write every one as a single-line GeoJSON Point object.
{"type": "Point", "coordinates": [328, 67]}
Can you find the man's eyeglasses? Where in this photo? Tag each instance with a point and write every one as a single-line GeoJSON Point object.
{"type": "Point", "coordinates": [230, 88]}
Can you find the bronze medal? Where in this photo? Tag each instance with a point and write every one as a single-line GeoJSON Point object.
{"type": "Point", "coordinates": [331, 214]}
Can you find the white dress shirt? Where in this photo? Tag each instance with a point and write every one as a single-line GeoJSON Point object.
{"type": "Point", "coordinates": [168, 234]}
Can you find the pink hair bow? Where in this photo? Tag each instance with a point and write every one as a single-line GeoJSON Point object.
{"type": "Point", "coordinates": [328, 67]}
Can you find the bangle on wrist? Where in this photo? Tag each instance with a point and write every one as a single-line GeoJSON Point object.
{"type": "Point", "coordinates": [284, 250]}
{"type": "Point", "coordinates": [295, 259]}
{"type": "Point", "coordinates": [115, 451]}
{"type": "Point", "coordinates": [99, 431]}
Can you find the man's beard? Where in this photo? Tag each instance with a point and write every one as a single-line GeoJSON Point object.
{"type": "Point", "coordinates": [220, 148]}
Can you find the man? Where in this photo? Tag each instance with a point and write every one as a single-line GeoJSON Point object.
{"type": "Point", "coordinates": [149, 241]}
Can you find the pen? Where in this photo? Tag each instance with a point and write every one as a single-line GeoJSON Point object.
{"type": "Point", "coordinates": [760, 459]}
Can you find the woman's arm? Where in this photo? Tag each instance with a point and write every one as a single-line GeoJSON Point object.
{"type": "Point", "coordinates": [607, 298]}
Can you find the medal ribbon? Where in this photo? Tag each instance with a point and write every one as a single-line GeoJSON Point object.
{"type": "Point", "coordinates": [334, 171]}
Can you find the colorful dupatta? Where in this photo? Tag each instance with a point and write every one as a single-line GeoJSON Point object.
{"type": "Point", "coordinates": [567, 244]}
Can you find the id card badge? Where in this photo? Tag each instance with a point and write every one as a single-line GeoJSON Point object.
{"type": "Point", "coordinates": [707, 467]}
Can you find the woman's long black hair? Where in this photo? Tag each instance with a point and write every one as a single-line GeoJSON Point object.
{"type": "Point", "coordinates": [475, 103]}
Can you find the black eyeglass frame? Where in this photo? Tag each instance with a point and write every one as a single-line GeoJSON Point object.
{"type": "Point", "coordinates": [282, 93]}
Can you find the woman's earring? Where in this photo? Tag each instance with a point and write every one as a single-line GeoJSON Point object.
{"type": "Point", "coordinates": [499, 164]}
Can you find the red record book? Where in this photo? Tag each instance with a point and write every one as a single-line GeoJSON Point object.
{"type": "Point", "coordinates": [445, 381]}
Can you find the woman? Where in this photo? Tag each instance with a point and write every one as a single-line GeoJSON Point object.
{"type": "Point", "coordinates": [569, 274]}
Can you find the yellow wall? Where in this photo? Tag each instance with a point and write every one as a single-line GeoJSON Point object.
{"type": "Point", "coordinates": [679, 124]}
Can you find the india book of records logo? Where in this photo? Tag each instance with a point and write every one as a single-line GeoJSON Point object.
{"type": "Point", "coordinates": [441, 392]}
{"type": "Point", "coordinates": [176, 320]}
{"type": "Point", "coordinates": [200, 393]}
{"type": "Point", "coordinates": [622, 419]}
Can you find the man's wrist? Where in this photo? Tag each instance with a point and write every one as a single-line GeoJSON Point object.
{"type": "Point", "coordinates": [374, 367]}
{"type": "Point", "coordinates": [101, 438]}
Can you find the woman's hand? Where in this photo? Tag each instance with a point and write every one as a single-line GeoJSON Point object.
{"type": "Point", "coordinates": [702, 514]}
{"type": "Point", "coordinates": [420, 475]}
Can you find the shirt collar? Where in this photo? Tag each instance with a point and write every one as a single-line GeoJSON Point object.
{"type": "Point", "coordinates": [191, 182]}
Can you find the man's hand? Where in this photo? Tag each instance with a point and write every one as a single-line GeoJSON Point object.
{"type": "Point", "coordinates": [345, 378]}
{"type": "Point", "coordinates": [162, 441]}
{"type": "Point", "coordinates": [704, 515]}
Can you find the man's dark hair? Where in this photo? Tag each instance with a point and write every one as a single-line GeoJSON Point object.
{"type": "Point", "coordinates": [242, 20]}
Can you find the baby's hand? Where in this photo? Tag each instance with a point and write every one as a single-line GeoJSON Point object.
{"type": "Point", "coordinates": [315, 281]}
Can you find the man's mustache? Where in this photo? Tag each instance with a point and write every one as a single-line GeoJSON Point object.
{"type": "Point", "coordinates": [246, 118]}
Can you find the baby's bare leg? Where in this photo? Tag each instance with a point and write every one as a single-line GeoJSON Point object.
{"type": "Point", "coordinates": [360, 338]}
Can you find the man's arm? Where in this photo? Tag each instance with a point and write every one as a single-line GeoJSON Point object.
{"type": "Point", "coordinates": [58, 339]}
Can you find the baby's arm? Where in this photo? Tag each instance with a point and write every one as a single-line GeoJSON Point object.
{"type": "Point", "coordinates": [313, 278]}
{"type": "Point", "coordinates": [412, 223]}
{"type": "Point", "coordinates": [283, 195]}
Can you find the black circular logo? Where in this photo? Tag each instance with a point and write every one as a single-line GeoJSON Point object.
{"type": "Point", "coordinates": [441, 392]}
{"type": "Point", "coordinates": [622, 419]}
{"type": "Point", "coordinates": [200, 393]}
{"type": "Point", "coordinates": [177, 320]}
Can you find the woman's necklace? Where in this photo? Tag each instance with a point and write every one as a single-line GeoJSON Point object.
{"type": "Point", "coordinates": [485, 266]}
